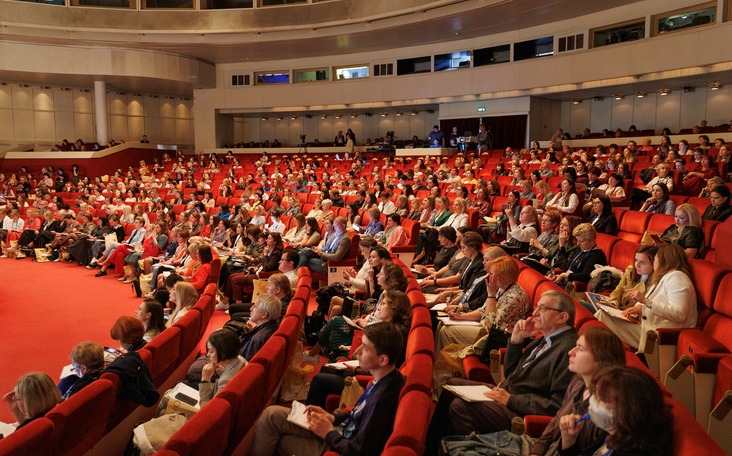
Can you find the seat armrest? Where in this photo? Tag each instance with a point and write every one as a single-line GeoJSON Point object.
{"type": "Point", "coordinates": [534, 425]}
{"type": "Point", "coordinates": [476, 370]}
{"type": "Point", "coordinates": [668, 336]}
{"type": "Point", "coordinates": [706, 363]}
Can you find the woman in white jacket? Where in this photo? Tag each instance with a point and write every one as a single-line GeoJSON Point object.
{"type": "Point", "coordinates": [669, 300]}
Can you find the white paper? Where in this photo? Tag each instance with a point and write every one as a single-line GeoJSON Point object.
{"type": "Point", "coordinates": [447, 321]}
{"type": "Point", "coordinates": [470, 393]}
{"type": "Point", "coordinates": [6, 429]}
{"type": "Point", "coordinates": [67, 371]}
{"type": "Point", "coordinates": [615, 313]}
{"type": "Point", "coordinates": [350, 322]}
{"type": "Point", "coordinates": [188, 391]}
{"type": "Point", "coordinates": [344, 364]}
{"type": "Point", "coordinates": [440, 306]}
{"type": "Point", "coordinates": [298, 416]}
{"type": "Point", "coordinates": [430, 298]}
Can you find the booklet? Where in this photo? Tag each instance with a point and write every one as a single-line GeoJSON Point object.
{"type": "Point", "coordinates": [343, 365]}
{"type": "Point", "coordinates": [298, 416]}
{"type": "Point", "coordinates": [6, 429]}
{"type": "Point", "coordinates": [470, 393]}
{"type": "Point", "coordinates": [447, 321]}
{"type": "Point", "coordinates": [440, 306]}
{"type": "Point", "coordinates": [350, 322]}
{"type": "Point", "coordinates": [615, 313]}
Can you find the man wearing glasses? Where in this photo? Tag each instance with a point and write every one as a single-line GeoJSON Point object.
{"type": "Point", "coordinates": [536, 376]}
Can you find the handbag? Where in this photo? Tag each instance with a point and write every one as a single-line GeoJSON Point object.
{"type": "Point", "coordinates": [497, 338]}
{"type": "Point", "coordinates": [110, 238]}
{"type": "Point", "coordinates": [352, 391]}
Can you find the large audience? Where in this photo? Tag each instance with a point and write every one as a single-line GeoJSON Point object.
{"type": "Point", "coordinates": [163, 227]}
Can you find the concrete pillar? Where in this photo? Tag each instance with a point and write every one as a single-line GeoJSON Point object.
{"type": "Point", "coordinates": [100, 111]}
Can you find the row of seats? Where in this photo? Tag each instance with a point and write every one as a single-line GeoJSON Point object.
{"type": "Point", "coordinates": [222, 424]}
{"type": "Point", "coordinates": [76, 425]}
{"type": "Point", "coordinates": [713, 304]}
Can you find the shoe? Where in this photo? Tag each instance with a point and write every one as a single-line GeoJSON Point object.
{"type": "Point", "coordinates": [123, 279]}
{"type": "Point", "coordinates": [58, 259]}
{"type": "Point", "coordinates": [136, 287]}
{"type": "Point", "coordinates": [128, 280]}
{"type": "Point", "coordinates": [20, 256]}
{"type": "Point", "coordinates": [313, 359]}
{"type": "Point", "coordinates": [222, 306]}
{"type": "Point", "coordinates": [93, 262]}
{"type": "Point", "coordinates": [3, 256]}
{"type": "Point", "coordinates": [100, 274]}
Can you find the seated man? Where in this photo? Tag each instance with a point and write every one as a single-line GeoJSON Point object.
{"type": "Point", "coordinates": [363, 431]}
{"type": "Point", "coordinates": [536, 377]}
{"type": "Point", "coordinates": [87, 359]}
{"type": "Point", "coordinates": [334, 247]}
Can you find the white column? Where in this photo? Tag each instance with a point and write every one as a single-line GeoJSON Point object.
{"type": "Point", "coordinates": [100, 111]}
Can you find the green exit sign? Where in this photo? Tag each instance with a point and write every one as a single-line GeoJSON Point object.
{"type": "Point", "coordinates": [481, 109]}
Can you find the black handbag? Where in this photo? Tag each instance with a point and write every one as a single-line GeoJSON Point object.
{"type": "Point", "coordinates": [497, 338]}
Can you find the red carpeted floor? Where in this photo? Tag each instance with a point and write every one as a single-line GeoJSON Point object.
{"type": "Point", "coordinates": [47, 308]}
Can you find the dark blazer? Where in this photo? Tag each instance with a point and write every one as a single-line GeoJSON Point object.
{"type": "Point", "coordinates": [272, 261]}
{"type": "Point", "coordinates": [255, 339]}
{"type": "Point", "coordinates": [539, 388]}
{"type": "Point", "coordinates": [607, 224]}
{"type": "Point", "coordinates": [583, 263]}
{"type": "Point", "coordinates": [473, 271]}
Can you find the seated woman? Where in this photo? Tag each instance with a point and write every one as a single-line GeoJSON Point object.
{"type": "Point", "coordinates": [602, 217]}
{"type": "Point", "coordinates": [636, 277]}
{"type": "Point", "coordinates": [621, 397]}
{"type": "Point", "coordinates": [719, 209]}
{"type": "Point", "coordinates": [337, 333]}
{"type": "Point", "coordinates": [153, 246]}
{"type": "Point", "coordinates": [115, 253]}
{"type": "Point", "coordinates": [246, 252]}
{"type": "Point", "coordinates": [394, 307]}
{"type": "Point", "coordinates": [316, 212]}
{"type": "Point", "coordinates": [33, 396]}
{"type": "Point", "coordinates": [312, 234]}
{"type": "Point", "coordinates": [297, 233]}
{"type": "Point", "coordinates": [327, 206]}
{"type": "Point", "coordinates": [377, 257]}
{"type": "Point", "coordinates": [449, 261]}
{"type": "Point", "coordinates": [24, 235]}
{"type": "Point", "coordinates": [87, 361]}
{"type": "Point", "coordinates": [521, 232]}
{"type": "Point", "coordinates": [546, 244]}
{"type": "Point", "coordinates": [374, 227]}
{"type": "Point", "coordinates": [469, 289]}
{"type": "Point", "coordinates": [185, 296]}
{"type": "Point", "coordinates": [203, 255]}
{"type": "Point", "coordinates": [582, 263]}
{"type": "Point", "coordinates": [544, 194]}
{"type": "Point", "coordinates": [506, 304]}
{"type": "Point", "coordinates": [61, 238]}
{"type": "Point", "coordinates": [669, 300]}
{"type": "Point", "coordinates": [260, 217]}
{"type": "Point", "coordinates": [663, 176]}
{"type": "Point", "coordinates": [150, 313]}
{"type": "Point", "coordinates": [180, 258]}
{"type": "Point", "coordinates": [224, 362]}
{"type": "Point", "coordinates": [566, 201]}
{"type": "Point", "coordinates": [695, 181]}
{"type": "Point", "coordinates": [495, 226]}
{"type": "Point", "coordinates": [427, 238]}
{"type": "Point", "coordinates": [660, 201]}
{"type": "Point", "coordinates": [686, 231]}
{"type": "Point", "coordinates": [596, 348]}
{"type": "Point", "coordinates": [393, 235]}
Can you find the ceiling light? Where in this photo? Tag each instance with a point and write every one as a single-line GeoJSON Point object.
{"type": "Point", "coordinates": [265, 117]}
{"type": "Point", "coordinates": [323, 116]}
{"type": "Point", "coordinates": [663, 92]}
{"type": "Point", "coordinates": [399, 114]}
{"type": "Point", "coordinates": [353, 116]}
{"type": "Point", "coordinates": [279, 117]}
{"type": "Point", "coordinates": [618, 96]}
{"type": "Point", "coordinates": [338, 116]}
{"type": "Point", "coordinates": [414, 113]}
{"type": "Point", "coordinates": [576, 101]}
{"type": "Point", "coordinates": [640, 94]}
{"type": "Point", "coordinates": [384, 114]}
{"type": "Point", "coordinates": [714, 86]}
{"type": "Point", "coordinates": [293, 117]}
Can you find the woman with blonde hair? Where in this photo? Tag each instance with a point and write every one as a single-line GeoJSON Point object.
{"type": "Point", "coordinates": [459, 217]}
{"type": "Point", "coordinates": [543, 194]}
{"type": "Point", "coordinates": [185, 297]}
{"type": "Point", "coordinates": [297, 233]}
{"type": "Point", "coordinates": [686, 230]}
{"type": "Point", "coordinates": [34, 395]}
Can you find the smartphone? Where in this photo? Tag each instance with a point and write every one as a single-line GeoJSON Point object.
{"type": "Point", "coordinates": [186, 399]}
{"type": "Point", "coordinates": [112, 351]}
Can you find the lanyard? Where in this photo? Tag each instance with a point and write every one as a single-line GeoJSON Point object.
{"type": "Point", "coordinates": [587, 253]}
{"type": "Point", "coordinates": [350, 427]}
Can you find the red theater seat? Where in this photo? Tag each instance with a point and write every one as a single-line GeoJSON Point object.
{"type": "Point", "coordinates": [164, 350]}
{"type": "Point", "coordinates": [80, 421]}
{"type": "Point", "coordinates": [35, 438]}
{"type": "Point", "coordinates": [206, 433]}
{"type": "Point", "coordinates": [411, 421]}
{"type": "Point", "coordinates": [244, 393]}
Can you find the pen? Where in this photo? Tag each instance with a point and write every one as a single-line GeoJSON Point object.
{"type": "Point", "coordinates": [585, 417]}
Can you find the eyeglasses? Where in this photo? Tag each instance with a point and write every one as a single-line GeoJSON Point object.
{"type": "Point", "coordinates": [543, 308]}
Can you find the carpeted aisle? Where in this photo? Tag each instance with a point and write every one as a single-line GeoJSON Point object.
{"type": "Point", "coordinates": [47, 308]}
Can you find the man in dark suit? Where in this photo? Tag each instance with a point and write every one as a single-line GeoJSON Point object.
{"type": "Point", "coordinates": [536, 377]}
{"type": "Point", "coordinates": [334, 247]}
